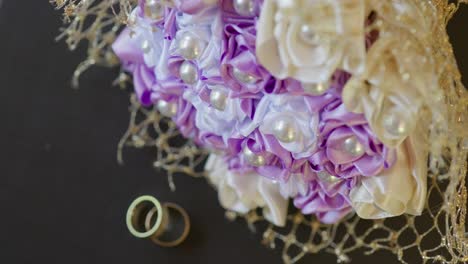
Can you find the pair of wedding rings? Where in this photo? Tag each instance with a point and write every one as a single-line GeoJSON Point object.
{"type": "Point", "coordinates": [165, 224]}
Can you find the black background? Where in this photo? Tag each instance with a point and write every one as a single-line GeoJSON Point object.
{"type": "Point", "coordinates": [63, 197]}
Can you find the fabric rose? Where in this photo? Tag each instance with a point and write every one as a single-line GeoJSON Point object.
{"type": "Point", "coordinates": [226, 123]}
{"type": "Point", "coordinates": [309, 46]}
{"type": "Point", "coordinates": [326, 197]}
{"type": "Point", "coordinates": [239, 67]}
{"type": "Point", "coordinates": [197, 41]}
{"type": "Point", "coordinates": [348, 154]}
{"type": "Point", "coordinates": [348, 147]}
{"type": "Point", "coordinates": [288, 118]}
{"type": "Point", "coordinates": [398, 190]}
{"type": "Point", "coordinates": [144, 52]}
{"type": "Point", "coordinates": [391, 92]}
{"type": "Point", "coordinates": [242, 192]}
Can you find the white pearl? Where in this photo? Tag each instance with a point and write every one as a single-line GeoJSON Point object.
{"type": "Point", "coordinates": [326, 177]}
{"type": "Point", "coordinates": [395, 125]}
{"type": "Point", "coordinates": [145, 46]}
{"type": "Point", "coordinates": [253, 159]}
{"type": "Point", "coordinates": [218, 99]}
{"type": "Point", "coordinates": [188, 72]}
{"type": "Point", "coordinates": [243, 76]}
{"type": "Point", "coordinates": [190, 47]}
{"type": "Point", "coordinates": [244, 7]}
{"type": "Point", "coordinates": [166, 108]}
{"type": "Point", "coordinates": [284, 130]}
{"type": "Point", "coordinates": [308, 35]}
{"type": "Point", "coordinates": [353, 146]}
{"type": "Point", "coordinates": [153, 9]}
{"type": "Point", "coordinates": [315, 88]}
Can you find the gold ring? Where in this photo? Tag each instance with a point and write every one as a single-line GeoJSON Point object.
{"type": "Point", "coordinates": [172, 209]}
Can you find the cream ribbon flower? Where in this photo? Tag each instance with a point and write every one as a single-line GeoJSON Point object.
{"type": "Point", "coordinates": [245, 192]}
{"type": "Point", "coordinates": [398, 190]}
{"type": "Point", "coordinates": [398, 80]}
{"type": "Point", "coordinates": [308, 40]}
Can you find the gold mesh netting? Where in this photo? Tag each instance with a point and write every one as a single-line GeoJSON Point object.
{"type": "Point", "coordinates": [438, 235]}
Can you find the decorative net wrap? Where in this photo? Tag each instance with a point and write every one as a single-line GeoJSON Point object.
{"type": "Point", "coordinates": [439, 235]}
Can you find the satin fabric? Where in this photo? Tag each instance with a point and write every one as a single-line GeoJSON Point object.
{"type": "Point", "coordinates": [398, 190]}
{"type": "Point", "coordinates": [382, 91]}
{"type": "Point", "coordinates": [294, 109]}
{"type": "Point", "coordinates": [338, 26]}
{"type": "Point", "coordinates": [246, 191]}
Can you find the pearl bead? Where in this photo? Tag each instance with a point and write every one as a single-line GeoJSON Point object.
{"type": "Point", "coordinates": [218, 99]}
{"type": "Point", "coordinates": [353, 146]}
{"type": "Point", "coordinates": [243, 77]}
{"type": "Point", "coordinates": [145, 46]}
{"type": "Point", "coordinates": [284, 130]}
{"type": "Point", "coordinates": [166, 108]}
{"type": "Point", "coordinates": [153, 9]}
{"type": "Point", "coordinates": [326, 177]}
{"type": "Point", "coordinates": [395, 125]}
{"type": "Point", "coordinates": [188, 72]}
{"type": "Point", "coordinates": [244, 7]}
{"type": "Point", "coordinates": [315, 88]}
{"type": "Point", "coordinates": [190, 47]}
{"type": "Point", "coordinates": [308, 35]}
{"type": "Point", "coordinates": [253, 159]}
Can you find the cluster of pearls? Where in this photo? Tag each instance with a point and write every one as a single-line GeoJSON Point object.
{"type": "Point", "coordinates": [243, 77]}
{"type": "Point", "coordinates": [353, 146]}
{"type": "Point", "coordinates": [154, 9]}
{"type": "Point", "coordinates": [244, 7]}
{"type": "Point", "coordinates": [315, 88]}
{"type": "Point", "coordinates": [253, 159]}
{"type": "Point", "coordinates": [218, 99]}
{"type": "Point", "coordinates": [188, 72]}
{"type": "Point", "coordinates": [395, 125]}
{"type": "Point", "coordinates": [284, 130]}
{"type": "Point", "coordinates": [166, 108]}
{"type": "Point", "coordinates": [190, 47]}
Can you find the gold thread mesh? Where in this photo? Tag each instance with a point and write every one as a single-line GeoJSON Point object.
{"type": "Point", "coordinates": [438, 235]}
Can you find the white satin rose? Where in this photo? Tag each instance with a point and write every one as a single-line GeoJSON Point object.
{"type": "Point", "coordinates": [245, 192]}
{"type": "Point", "coordinates": [154, 47]}
{"type": "Point", "coordinates": [198, 42]}
{"type": "Point", "coordinates": [398, 190]}
{"type": "Point", "coordinates": [309, 39]}
{"type": "Point", "coordinates": [399, 79]}
{"type": "Point", "coordinates": [288, 118]}
{"type": "Point", "coordinates": [222, 116]}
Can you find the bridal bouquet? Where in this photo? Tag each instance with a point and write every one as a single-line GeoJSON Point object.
{"type": "Point", "coordinates": [344, 109]}
{"type": "Point", "coordinates": [322, 102]}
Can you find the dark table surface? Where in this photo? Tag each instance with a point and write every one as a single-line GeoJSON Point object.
{"type": "Point", "coordinates": [63, 196]}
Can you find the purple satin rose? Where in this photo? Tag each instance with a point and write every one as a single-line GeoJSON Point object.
{"type": "Point", "coordinates": [149, 89]}
{"type": "Point", "coordinates": [348, 147]}
{"type": "Point", "coordinates": [240, 68]}
{"type": "Point", "coordinates": [328, 201]}
{"type": "Point", "coordinates": [133, 61]}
